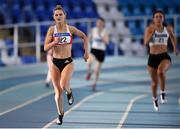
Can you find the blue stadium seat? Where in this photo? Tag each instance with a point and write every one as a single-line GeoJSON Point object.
{"type": "Point", "coordinates": [78, 12]}
{"type": "Point", "coordinates": [71, 14]}
{"type": "Point", "coordinates": [90, 12]}
{"type": "Point", "coordinates": [64, 2]}
{"type": "Point", "coordinates": [74, 2]}
{"type": "Point", "coordinates": [83, 27]}
{"type": "Point", "coordinates": [148, 3]}
{"type": "Point", "coordinates": [44, 30]}
{"type": "Point", "coordinates": [28, 16]}
{"type": "Point", "coordinates": [131, 24]}
{"type": "Point", "coordinates": [123, 3]}
{"type": "Point", "coordinates": [142, 25]}
{"type": "Point", "coordinates": [171, 11]}
{"type": "Point", "coordinates": [38, 2]}
{"type": "Point", "coordinates": [135, 3]}
{"type": "Point", "coordinates": [27, 3]}
{"type": "Point", "coordinates": [66, 8]}
{"type": "Point", "coordinates": [51, 3]}
{"type": "Point", "coordinates": [2, 2]}
{"type": "Point", "coordinates": [9, 44]}
{"type": "Point", "coordinates": [126, 11]}
{"type": "Point", "coordinates": [136, 31]}
{"type": "Point", "coordinates": [3, 8]}
{"type": "Point", "coordinates": [2, 64]}
{"type": "Point", "coordinates": [28, 59]}
{"type": "Point", "coordinates": [41, 10]}
{"type": "Point", "coordinates": [170, 21]}
{"type": "Point", "coordinates": [110, 48]}
{"type": "Point", "coordinates": [16, 2]}
{"type": "Point", "coordinates": [169, 3]}
{"type": "Point", "coordinates": [178, 30]}
{"type": "Point", "coordinates": [137, 11]}
{"type": "Point", "coordinates": [42, 14]}
{"type": "Point", "coordinates": [148, 10]}
{"type": "Point", "coordinates": [16, 12]}
{"type": "Point", "coordinates": [86, 2]}
{"type": "Point", "coordinates": [77, 50]}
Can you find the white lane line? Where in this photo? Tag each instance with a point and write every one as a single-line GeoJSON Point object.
{"type": "Point", "coordinates": [20, 75]}
{"type": "Point", "coordinates": [27, 102]}
{"type": "Point", "coordinates": [29, 84]}
{"type": "Point", "coordinates": [74, 107]}
{"type": "Point", "coordinates": [20, 86]}
{"type": "Point", "coordinates": [121, 122]}
{"type": "Point", "coordinates": [32, 100]}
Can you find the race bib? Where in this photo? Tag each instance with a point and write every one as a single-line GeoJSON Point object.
{"type": "Point", "coordinates": [64, 38]}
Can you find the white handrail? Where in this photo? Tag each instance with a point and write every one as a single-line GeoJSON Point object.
{"type": "Point", "coordinates": [37, 43]}
{"type": "Point", "coordinates": [16, 42]}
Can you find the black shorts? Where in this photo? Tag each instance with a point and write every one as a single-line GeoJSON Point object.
{"type": "Point", "coordinates": [99, 54]}
{"type": "Point", "coordinates": [155, 59]}
{"type": "Point", "coordinates": [61, 63]}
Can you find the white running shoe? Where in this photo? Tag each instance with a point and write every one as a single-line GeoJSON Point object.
{"type": "Point", "coordinates": [155, 104]}
{"type": "Point", "coordinates": [59, 120]}
{"type": "Point", "coordinates": [163, 97]}
{"type": "Point", "coordinates": [70, 97]}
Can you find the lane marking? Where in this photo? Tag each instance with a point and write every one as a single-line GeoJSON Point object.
{"type": "Point", "coordinates": [121, 122]}
{"type": "Point", "coordinates": [74, 107]}
{"type": "Point", "coordinates": [31, 100]}
{"type": "Point", "coordinates": [20, 75]}
{"type": "Point", "coordinates": [28, 84]}
{"type": "Point", "coordinates": [27, 102]}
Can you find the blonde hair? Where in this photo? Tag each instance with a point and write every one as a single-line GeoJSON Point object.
{"type": "Point", "coordinates": [59, 7]}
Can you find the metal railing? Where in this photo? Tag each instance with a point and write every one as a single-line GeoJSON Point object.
{"type": "Point", "coordinates": [38, 41]}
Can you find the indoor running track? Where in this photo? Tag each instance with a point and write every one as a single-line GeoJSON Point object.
{"type": "Point", "coordinates": [122, 100]}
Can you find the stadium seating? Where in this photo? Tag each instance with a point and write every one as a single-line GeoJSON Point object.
{"type": "Point", "coordinates": [28, 59]}
{"type": "Point", "coordinates": [146, 8]}
{"type": "Point", "coordinates": [2, 64]}
{"type": "Point", "coordinates": [113, 11]}
{"type": "Point", "coordinates": [9, 45]}
{"type": "Point", "coordinates": [41, 10]}
{"type": "Point", "coordinates": [26, 11]}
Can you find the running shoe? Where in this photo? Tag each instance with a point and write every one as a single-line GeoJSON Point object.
{"type": "Point", "coordinates": [155, 104]}
{"type": "Point", "coordinates": [70, 97]}
{"type": "Point", "coordinates": [59, 120]}
{"type": "Point", "coordinates": [163, 97]}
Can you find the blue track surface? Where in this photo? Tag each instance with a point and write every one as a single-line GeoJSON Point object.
{"type": "Point", "coordinates": [122, 100]}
